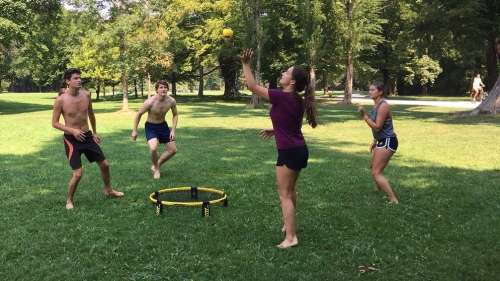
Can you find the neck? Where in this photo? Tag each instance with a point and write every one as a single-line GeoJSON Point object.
{"type": "Point", "coordinates": [73, 91]}
{"type": "Point", "coordinates": [378, 99]}
{"type": "Point", "coordinates": [289, 88]}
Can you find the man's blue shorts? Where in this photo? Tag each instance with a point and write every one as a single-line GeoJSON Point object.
{"type": "Point", "coordinates": [159, 131]}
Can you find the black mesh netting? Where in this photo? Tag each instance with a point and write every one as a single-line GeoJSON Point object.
{"type": "Point", "coordinates": [189, 196]}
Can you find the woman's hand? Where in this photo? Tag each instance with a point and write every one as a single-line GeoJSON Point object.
{"type": "Point", "coordinates": [362, 111]}
{"type": "Point", "coordinates": [246, 56]}
{"type": "Point", "coordinates": [266, 133]}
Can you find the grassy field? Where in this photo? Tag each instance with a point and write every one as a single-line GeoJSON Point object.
{"type": "Point", "coordinates": [446, 173]}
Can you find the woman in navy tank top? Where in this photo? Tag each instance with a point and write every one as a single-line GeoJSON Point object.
{"type": "Point", "coordinates": [385, 141]}
{"type": "Point", "coordinates": [287, 113]}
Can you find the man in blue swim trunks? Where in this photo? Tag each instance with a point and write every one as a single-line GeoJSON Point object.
{"type": "Point", "coordinates": [156, 128]}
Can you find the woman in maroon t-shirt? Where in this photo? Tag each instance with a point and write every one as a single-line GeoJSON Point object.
{"type": "Point", "coordinates": [287, 112]}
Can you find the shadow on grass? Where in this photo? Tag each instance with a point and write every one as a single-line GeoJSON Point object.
{"type": "Point", "coordinates": [447, 215]}
{"type": "Point", "coordinates": [13, 107]}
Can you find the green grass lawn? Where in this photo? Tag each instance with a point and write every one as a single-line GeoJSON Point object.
{"type": "Point", "coordinates": [446, 173]}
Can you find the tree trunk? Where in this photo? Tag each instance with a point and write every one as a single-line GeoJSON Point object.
{"type": "Point", "coordinates": [255, 100]}
{"type": "Point", "coordinates": [350, 56]}
{"type": "Point", "coordinates": [200, 81]}
{"type": "Point", "coordinates": [97, 91]}
{"type": "Point", "coordinates": [388, 83]}
{"type": "Point", "coordinates": [149, 85]}
{"type": "Point", "coordinates": [491, 62]}
{"type": "Point", "coordinates": [349, 79]}
{"type": "Point", "coordinates": [229, 87]}
{"type": "Point", "coordinates": [135, 87]}
{"type": "Point", "coordinates": [104, 90]}
{"type": "Point", "coordinates": [1, 86]}
{"type": "Point", "coordinates": [142, 87]}
{"type": "Point", "coordinates": [174, 84]}
{"type": "Point", "coordinates": [113, 89]}
{"type": "Point", "coordinates": [124, 77]}
{"type": "Point", "coordinates": [491, 104]}
{"type": "Point", "coordinates": [325, 84]}
{"type": "Point", "coordinates": [425, 90]}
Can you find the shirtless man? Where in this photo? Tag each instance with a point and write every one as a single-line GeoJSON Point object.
{"type": "Point", "coordinates": [156, 127]}
{"type": "Point", "coordinates": [76, 107]}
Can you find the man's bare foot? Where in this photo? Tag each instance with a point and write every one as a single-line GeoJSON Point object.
{"type": "Point", "coordinates": [69, 205]}
{"type": "Point", "coordinates": [156, 172]}
{"type": "Point", "coordinates": [113, 193]}
{"type": "Point", "coordinates": [288, 244]}
{"type": "Point", "coordinates": [393, 201]}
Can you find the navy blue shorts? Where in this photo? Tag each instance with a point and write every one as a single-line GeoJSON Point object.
{"type": "Point", "coordinates": [293, 158]}
{"type": "Point", "coordinates": [388, 143]}
{"type": "Point", "coordinates": [159, 131]}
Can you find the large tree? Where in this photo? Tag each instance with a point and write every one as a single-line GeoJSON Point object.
{"type": "Point", "coordinates": [359, 25]}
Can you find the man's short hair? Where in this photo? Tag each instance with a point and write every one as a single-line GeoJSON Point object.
{"type": "Point", "coordinates": [161, 82]}
{"type": "Point", "coordinates": [70, 71]}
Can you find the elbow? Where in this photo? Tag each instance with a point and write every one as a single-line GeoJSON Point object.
{"type": "Point", "coordinates": [252, 86]}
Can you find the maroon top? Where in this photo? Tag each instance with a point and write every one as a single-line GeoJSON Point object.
{"type": "Point", "coordinates": [287, 112]}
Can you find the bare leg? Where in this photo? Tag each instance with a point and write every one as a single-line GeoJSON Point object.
{"type": "Point", "coordinates": [104, 167]}
{"type": "Point", "coordinates": [381, 157]}
{"type": "Point", "coordinates": [286, 179]}
{"type": "Point", "coordinates": [170, 151]}
{"type": "Point", "coordinates": [377, 187]}
{"type": "Point", "coordinates": [294, 201]}
{"type": "Point", "coordinates": [73, 183]}
{"type": "Point", "coordinates": [155, 168]}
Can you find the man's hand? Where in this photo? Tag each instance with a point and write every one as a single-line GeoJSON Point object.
{"type": "Point", "coordinates": [78, 134]}
{"type": "Point", "coordinates": [96, 138]}
{"type": "Point", "coordinates": [172, 135]}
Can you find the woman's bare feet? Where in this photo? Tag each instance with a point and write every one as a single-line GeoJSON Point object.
{"type": "Point", "coordinates": [156, 172]}
{"type": "Point", "coordinates": [69, 205]}
{"type": "Point", "coordinates": [113, 193]}
{"type": "Point", "coordinates": [288, 243]}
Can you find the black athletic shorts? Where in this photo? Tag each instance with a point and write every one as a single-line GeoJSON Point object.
{"type": "Point", "coordinates": [388, 143]}
{"type": "Point", "coordinates": [293, 158]}
{"type": "Point", "coordinates": [75, 148]}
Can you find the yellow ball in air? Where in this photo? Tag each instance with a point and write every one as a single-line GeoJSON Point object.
{"type": "Point", "coordinates": [227, 32]}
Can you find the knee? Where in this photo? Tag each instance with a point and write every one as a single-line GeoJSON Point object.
{"type": "Point", "coordinates": [173, 151]}
{"type": "Point", "coordinates": [375, 174]}
{"type": "Point", "coordinates": [152, 149]}
{"type": "Point", "coordinates": [104, 165]}
{"type": "Point", "coordinates": [285, 194]}
{"type": "Point", "coordinates": [77, 174]}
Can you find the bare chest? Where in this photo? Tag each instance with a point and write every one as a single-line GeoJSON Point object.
{"type": "Point", "coordinates": [75, 107]}
{"type": "Point", "coordinates": [160, 107]}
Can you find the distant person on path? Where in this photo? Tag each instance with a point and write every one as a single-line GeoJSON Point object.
{"type": "Point", "coordinates": [477, 88]}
